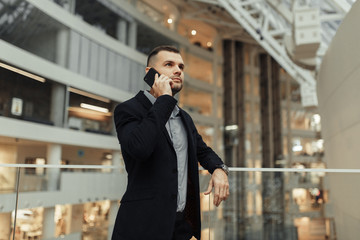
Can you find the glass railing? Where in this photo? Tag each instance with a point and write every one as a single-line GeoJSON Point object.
{"type": "Point", "coordinates": [288, 204]}
{"type": "Point", "coordinates": [59, 201]}
{"type": "Point", "coordinates": [81, 202]}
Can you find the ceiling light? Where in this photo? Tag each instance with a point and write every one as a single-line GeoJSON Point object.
{"type": "Point", "coordinates": [95, 108]}
{"type": "Point", "coordinates": [22, 72]}
{"type": "Point", "coordinates": [169, 21]}
{"type": "Point", "coordinates": [87, 94]}
{"type": "Point", "coordinates": [209, 44]}
{"type": "Point", "coordinates": [193, 32]}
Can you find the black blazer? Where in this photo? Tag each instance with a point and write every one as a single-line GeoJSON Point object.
{"type": "Point", "coordinates": [148, 207]}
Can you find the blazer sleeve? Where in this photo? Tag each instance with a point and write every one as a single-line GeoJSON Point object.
{"type": "Point", "coordinates": [138, 134]}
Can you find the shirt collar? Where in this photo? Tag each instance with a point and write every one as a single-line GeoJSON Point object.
{"type": "Point", "coordinates": [152, 99]}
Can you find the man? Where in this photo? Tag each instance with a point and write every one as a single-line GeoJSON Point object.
{"type": "Point", "coordinates": [161, 149]}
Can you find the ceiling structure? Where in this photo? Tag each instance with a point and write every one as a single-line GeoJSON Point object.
{"type": "Point", "coordinates": [296, 33]}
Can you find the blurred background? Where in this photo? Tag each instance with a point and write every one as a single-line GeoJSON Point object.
{"type": "Point", "coordinates": [269, 83]}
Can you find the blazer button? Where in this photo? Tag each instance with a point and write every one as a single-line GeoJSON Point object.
{"type": "Point", "coordinates": [174, 170]}
{"type": "Point", "coordinates": [173, 196]}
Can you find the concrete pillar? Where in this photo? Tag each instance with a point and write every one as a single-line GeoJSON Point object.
{"type": "Point", "coordinates": [58, 97]}
{"type": "Point", "coordinates": [121, 31]}
{"type": "Point", "coordinates": [53, 156]}
{"type": "Point", "coordinates": [5, 222]}
{"type": "Point", "coordinates": [132, 38]}
{"type": "Point", "coordinates": [62, 40]}
{"type": "Point", "coordinates": [114, 207]}
{"type": "Point", "coordinates": [49, 223]}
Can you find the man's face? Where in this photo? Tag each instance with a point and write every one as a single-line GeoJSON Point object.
{"type": "Point", "coordinates": [172, 65]}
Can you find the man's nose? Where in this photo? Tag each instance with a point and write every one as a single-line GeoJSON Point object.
{"type": "Point", "coordinates": [177, 70]}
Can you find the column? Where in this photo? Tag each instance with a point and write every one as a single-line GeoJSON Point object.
{"type": "Point", "coordinates": [62, 39]}
{"type": "Point", "coordinates": [132, 38]}
{"type": "Point", "coordinates": [58, 91]}
{"type": "Point", "coordinates": [49, 223]}
{"type": "Point", "coordinates": [58, 97]}
{"type": "Point", "coordinates": [53, 156]}
{"type": "Point", "coordinates": [121, 31]}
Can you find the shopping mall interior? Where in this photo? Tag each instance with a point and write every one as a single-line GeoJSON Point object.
{"type": "Point", "coordinates": [271, 85]}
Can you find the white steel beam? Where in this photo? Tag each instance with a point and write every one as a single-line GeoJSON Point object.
{"type": "Point", "coordinates": [266, 40]}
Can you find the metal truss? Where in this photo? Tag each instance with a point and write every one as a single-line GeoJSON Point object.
{"type": "Point", "coordinates": [270, 21]}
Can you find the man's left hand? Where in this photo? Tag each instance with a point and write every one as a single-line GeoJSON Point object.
{"type": "Point", "coordinates": [219, 181]}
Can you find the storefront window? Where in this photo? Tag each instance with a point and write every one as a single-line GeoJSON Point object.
{"type": "Point", "coordinates": [311, 199]}
{"type": "Point", "coordinates": [307, 147]}
{"type": "Point", "coordinates": [89, 113]}
{"type": "Point", "coordinates": [315, 123]}
{"type": "Point", "coordinates": [29, 223]}
{"type": "Point", "coordinates": [96, 220]}
{"type": "Point", "coordinates": [24, 97]}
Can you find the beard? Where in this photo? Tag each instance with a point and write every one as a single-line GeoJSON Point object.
{"type": "Point", "coordinates": [176, 88]}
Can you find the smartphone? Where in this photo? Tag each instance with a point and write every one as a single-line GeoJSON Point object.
{"type": "Point", "coordinates": [150, 76]}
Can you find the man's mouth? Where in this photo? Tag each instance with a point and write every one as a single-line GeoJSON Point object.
{"type": "Point", "coordinates": [177, 79]}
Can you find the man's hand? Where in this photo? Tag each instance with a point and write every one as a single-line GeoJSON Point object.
{"type": "Point", "coordinates": [162, 85]}
{"type": "Point", "coordinates": [219, 181]}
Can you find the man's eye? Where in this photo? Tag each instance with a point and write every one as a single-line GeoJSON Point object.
{"type": "Point", "coordinates": [168, 64]}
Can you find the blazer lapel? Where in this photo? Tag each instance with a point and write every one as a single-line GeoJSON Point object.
{"type": "Point", "coordinates": [190, 137]}
{"type": "Point", "coordinates": [147, 105]}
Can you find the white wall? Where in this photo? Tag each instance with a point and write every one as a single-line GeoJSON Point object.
{"type": "Point", "coordinates": [339, 98]}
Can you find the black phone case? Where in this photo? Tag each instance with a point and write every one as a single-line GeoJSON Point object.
{"type": "Point", "coordinates": [150, 76]}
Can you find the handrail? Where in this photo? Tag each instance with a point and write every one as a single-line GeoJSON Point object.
{"type": "Point", "coordinates": [59, 166]}
{"type": "Point", "coordinates": [322, 170]}
{"type": "Point", "coordinates": [231, 169]}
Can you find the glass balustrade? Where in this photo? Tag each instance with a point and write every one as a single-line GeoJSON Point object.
{"type": "Point", "coordinates": [81, 202]}
{"type": "Point", "coordinates": [286, 205]}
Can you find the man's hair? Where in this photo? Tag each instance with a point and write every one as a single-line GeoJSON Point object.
{"type": "Point", "coordinates": [158, 49]}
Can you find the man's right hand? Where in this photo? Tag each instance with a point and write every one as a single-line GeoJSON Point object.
{"type": "Point", "coordinates": [162, 86]}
